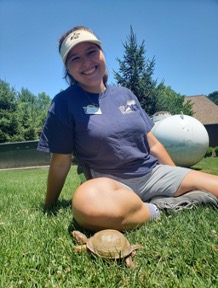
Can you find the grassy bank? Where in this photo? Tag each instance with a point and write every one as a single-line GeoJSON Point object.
{"type": "Point", "coordinates": [36, 247]}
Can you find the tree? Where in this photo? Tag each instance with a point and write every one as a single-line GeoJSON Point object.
{"type": "Point", "coordinates": [22, 114]}
{"type": "Point", "coordinates": [32, 112]}
{"type": "Point", "coordinates": [135, 73]}
{"type": "Point", "coordinates": [214, 97]}
{"type": "Point", "coordinates": [169, 100]}
{"type": "Point", "coordinates": [9, 122]}
{"type": "Point", "coordinates": [27, 114]}
{"type": "Point", "coordinates": [42, 104]}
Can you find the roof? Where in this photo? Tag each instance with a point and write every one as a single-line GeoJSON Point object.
{"type": "Point", "coordinates": [205, 110]}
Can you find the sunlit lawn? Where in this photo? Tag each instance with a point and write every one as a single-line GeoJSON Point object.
{"type": "Point", "coordinates": [179, 250]}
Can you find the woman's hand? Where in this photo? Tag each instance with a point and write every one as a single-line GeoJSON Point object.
{"type": "Point", "coordinates": [158, 150]}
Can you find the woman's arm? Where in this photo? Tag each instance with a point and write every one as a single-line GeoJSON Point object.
{"type": "Point", "coordinates": [59, 168]}
{"type": "Point", "coordinates": [158, 150]}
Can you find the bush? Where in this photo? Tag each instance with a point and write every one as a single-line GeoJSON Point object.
{"type": "Point", "coordinates": [216, 151]}
{"type": "Point", "coordinates": [209, 152]}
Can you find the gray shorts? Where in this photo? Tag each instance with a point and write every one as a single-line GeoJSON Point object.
{"type": "Point", "coordinates": [164, 180]}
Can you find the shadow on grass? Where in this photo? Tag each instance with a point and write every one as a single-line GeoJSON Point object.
{"type": "Point", "coordinates": [65, 204]}
{"type": "Point", "coordinates": [61, 204]}
{"type": "Point", "coordinates": [196, 168]}
{"type": "Point", "coordinates": [75, 226]}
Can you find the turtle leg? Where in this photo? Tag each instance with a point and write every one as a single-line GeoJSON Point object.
{"type": "Point", "coordinates": [80, 248]}
{"type": "Point", "coordinates": [129, 261]}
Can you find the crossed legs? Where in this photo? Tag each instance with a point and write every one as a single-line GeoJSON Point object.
{"type": "Point", "coordinates": [105, 203]}
{"type": "Point", "coordinates": [197, 180]}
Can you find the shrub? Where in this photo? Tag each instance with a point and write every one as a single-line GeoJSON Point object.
{"type": "Point", "coordinates": [209, 152]}
{"type": "Point", "coordinates": [216, 151]}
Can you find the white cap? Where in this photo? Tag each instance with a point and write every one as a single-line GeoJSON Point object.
{"type": "Point", "coordinates": [75, 38]}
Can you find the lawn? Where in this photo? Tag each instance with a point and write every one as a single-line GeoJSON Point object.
{"type": "Point", "coordinates": [179, 250]}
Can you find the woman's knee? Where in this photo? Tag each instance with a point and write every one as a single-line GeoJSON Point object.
{"type": "Point", "coordinates": [104, 195]}
{"type": "Point", "coordinates": [105, 203]}
{"type": "Point", "coordinates": [90, 208]}
{"type": "Point", "coordinates": [89, 197]}
{"type": "Point", "coordinates": [93, 200]}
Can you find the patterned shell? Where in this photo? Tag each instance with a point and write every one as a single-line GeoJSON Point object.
{"type": "Point", "coordinates": [109, 244]}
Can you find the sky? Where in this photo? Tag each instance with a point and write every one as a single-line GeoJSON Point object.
{"type": "Point", "coordinates": [182, 35]}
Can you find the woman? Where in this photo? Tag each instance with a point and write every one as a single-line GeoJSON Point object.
{"type": "Point", "coordinates": [111, 134]}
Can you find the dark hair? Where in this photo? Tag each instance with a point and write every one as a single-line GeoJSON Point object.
{"type": "Point", "coordinates": [70, 80]}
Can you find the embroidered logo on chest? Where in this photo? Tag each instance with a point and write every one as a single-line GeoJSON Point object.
{"type": "Point", "coordinates": [129, 107]}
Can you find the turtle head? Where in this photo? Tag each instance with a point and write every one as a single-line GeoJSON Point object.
{"type": "Point", "coordinates": [80, 237]}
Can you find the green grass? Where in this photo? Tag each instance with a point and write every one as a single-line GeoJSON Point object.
{"type": "Point", "coordinates": [37, 250]}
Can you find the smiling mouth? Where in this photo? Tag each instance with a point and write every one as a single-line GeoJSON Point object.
{"type": "Point", "coordinates": [90, 71]}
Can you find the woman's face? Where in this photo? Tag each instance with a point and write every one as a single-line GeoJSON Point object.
{"type": "Point", "coordinates": [86, 64]}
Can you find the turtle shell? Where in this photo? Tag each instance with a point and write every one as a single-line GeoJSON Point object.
{"type": "Point", "coordinates": [109, 244]}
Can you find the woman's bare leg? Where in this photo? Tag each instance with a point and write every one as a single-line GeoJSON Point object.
{"type": "Point", "coordinates": [105, 203]}
{"type": "Point", "coordinates": [196, 180]}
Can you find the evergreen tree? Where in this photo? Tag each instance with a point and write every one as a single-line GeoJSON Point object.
{"type": "Point", "coordinates": [135, 73]}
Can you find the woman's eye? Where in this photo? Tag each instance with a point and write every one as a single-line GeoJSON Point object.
{"type": "Point", "coordinates": [74, 59]}
{"type": "Point", "coordinates": [91, 52]}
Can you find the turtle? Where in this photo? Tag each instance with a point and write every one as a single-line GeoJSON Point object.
{"type": "Point", "coordinates": [108, 244]}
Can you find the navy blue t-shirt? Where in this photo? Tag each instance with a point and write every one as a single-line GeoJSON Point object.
{"type": "Point", "coordinates": [110, 139]}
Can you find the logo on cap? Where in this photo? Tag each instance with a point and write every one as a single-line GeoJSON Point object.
{"type": "Point", "coordinates": [75, 36]}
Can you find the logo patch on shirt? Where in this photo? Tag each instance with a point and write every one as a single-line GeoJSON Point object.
{"type": "Point", "coordinates": [129, 107]}
{"type": "Point", "coordinates": [92, 110]}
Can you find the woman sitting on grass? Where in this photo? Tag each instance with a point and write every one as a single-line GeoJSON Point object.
{"type": "Point", "coordinates": [109, 132]}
